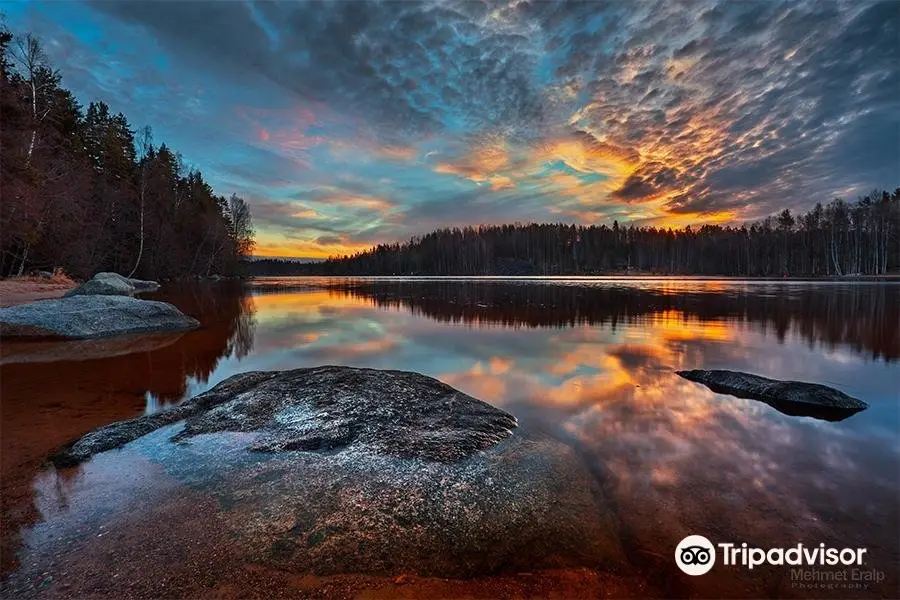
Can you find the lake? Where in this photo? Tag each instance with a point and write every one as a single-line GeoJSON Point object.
{"type": "Point", "coordinates": [589, 361]}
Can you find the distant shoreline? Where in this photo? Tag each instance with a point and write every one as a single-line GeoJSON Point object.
{"type": "Point", "coordinates": [623, 277]}
{"type": "Point", "coordinates": [15, 291]}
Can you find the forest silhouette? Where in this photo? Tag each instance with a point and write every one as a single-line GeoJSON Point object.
{"type": "Point", "coordinates": [83, 192]}
{"type": "Point", "coordinates": [835, 240]}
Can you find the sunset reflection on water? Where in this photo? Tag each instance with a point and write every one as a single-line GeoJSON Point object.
{"type": "Point", "coordinates": [591, 364]}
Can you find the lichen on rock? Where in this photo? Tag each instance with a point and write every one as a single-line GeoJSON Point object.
{"type": "Point", "coordinates": [399, 413]}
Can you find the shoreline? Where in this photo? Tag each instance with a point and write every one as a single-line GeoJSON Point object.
{"type": "Point", "coordinates": [15, 291]}
{"type": "Point", "coordinates": [892, 278]}
{"type": "Point", "coordinates": [22, 290]}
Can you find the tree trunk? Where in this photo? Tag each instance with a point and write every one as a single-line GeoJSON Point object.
{"type": "Point", "coordinates": [33, 119]}
{"type": "Point", "coordinates": [24, 258]}
{"type": "Point", "coordinates": [141, 247]}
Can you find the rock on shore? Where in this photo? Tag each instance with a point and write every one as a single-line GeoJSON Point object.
{"type": "Point", "coordinates": [81, 317]}
{"type": "Point", "coordinates": [794, 398]}
{"type": "Point", "coordinates": [343, 470]}
{"type": "Point", "coordinates": [113, 284]}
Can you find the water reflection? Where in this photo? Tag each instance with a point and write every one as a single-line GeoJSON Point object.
{"type": "Point", "coordinates": [591, 364]}
{"type": "Point", "coordinates": [864, 317]}
{"type": "Point", "coordinates": [55, 392]}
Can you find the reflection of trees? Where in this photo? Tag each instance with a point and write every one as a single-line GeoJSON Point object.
{"type": "Point", "coordinates": [240, 343]}
{"type": "Point", "coordinates": [863, 317]}
{"type": "Point", "coordinates": [227, 318]}
{"type": "Point", "coordinates": [99, 391]}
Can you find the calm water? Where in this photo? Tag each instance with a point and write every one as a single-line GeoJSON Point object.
{"type": "Point", "coordinates": [590, 362]}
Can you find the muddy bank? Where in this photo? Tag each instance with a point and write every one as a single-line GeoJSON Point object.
{"type": "Point", "coordinates": [21, 290]}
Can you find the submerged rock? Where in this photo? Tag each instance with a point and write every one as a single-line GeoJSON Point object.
{"type": "Point", "coordinates": [44, 351]}
{"type": "Point", "coordinates": [144, 285]}
{"type": "Point", "coordinates": [80, 317]}
{"type": "Point", "coordinates": [343, 470]}
{"type": "Point", "coordinates": [794, 398]}
{"type": "Point", "coordinates": [113, 284]}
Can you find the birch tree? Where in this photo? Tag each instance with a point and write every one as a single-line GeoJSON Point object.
{"type": "Point", "coordinates": [32, 62]}
{"type": "Point", "coordinates": [144, 145]}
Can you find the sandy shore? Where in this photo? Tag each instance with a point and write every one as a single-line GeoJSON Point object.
{"type": "Point", "coordinates": [20, 290]}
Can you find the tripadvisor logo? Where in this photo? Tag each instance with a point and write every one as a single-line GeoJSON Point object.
{"type": "Point", "coordinates": [696, 555]}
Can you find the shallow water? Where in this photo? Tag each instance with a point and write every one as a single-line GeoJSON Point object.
{"type": "Point", "coordinates": [588, 361]}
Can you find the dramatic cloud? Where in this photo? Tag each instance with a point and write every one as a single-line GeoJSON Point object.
{"type": "Point", "coordinates": [347, 123]}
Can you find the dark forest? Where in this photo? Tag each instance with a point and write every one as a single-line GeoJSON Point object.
{"type": "Point", "coordinates": [835, 240]}
{"type": "Point", "coordinates": [84, 192]}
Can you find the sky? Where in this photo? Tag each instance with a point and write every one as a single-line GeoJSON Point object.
{"type": "Point", "coordinates": [350, 123]}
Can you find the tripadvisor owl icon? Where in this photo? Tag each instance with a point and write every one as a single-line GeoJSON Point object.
{"type": "Point", "coordinates": [695, 555]}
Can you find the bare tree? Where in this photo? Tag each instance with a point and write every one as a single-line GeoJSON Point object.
{"type": "Point", "coordinates": [144, 143]}
{"type": "Point", "coordinates": [241, 225]}
{"type": "Point", "coordinates": [33, 63]}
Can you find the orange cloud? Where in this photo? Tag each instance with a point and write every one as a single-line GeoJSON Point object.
{"type": "Point", "coordinates": [501, 365]}
{"type": "Point", "coordinates": [364, 148]}
{"type": "Point", "coordinates": [309, 337]}
{"type": "Point", "coordinates": [284, 129]}
{"type": "Point", "coordinates": [496, 164]}
{"type": "Point", "coordinates": [370, 203]}
{"type": "Point", "coordinates": [398, 153]}
{"type": "Point", "coordinates": [484, 164]}
{"type": "Point", "coordinates": [306, 213]}
{"type": "Point", "coordinates": [579, 154]}
{"type": "Point", "coordinates": [501, 182]}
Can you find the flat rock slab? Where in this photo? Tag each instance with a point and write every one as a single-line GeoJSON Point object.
{"type": "Point", "coordinates": [82, 317]}
{"type": "Point", "coordinates": [343, 470]}
{"type": "Point", "coordinates": [399, 413]}
{"type": "Point", "coordinates": [795, 398]}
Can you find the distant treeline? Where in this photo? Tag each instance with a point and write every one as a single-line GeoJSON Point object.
{"type": "Point", "coordinates": [83, 192]}
{"type": "Point", "coordinates": [839, 239]}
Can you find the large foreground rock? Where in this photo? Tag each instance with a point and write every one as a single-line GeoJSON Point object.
{"type": "Point", "coordinates": [80, 317]}
{"type": "Point", "coordinates": [794, 398]}
{"type": "Point", "coordinates": [342, 470]}
{"type": "Point", "coordinates": [113, 284]}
